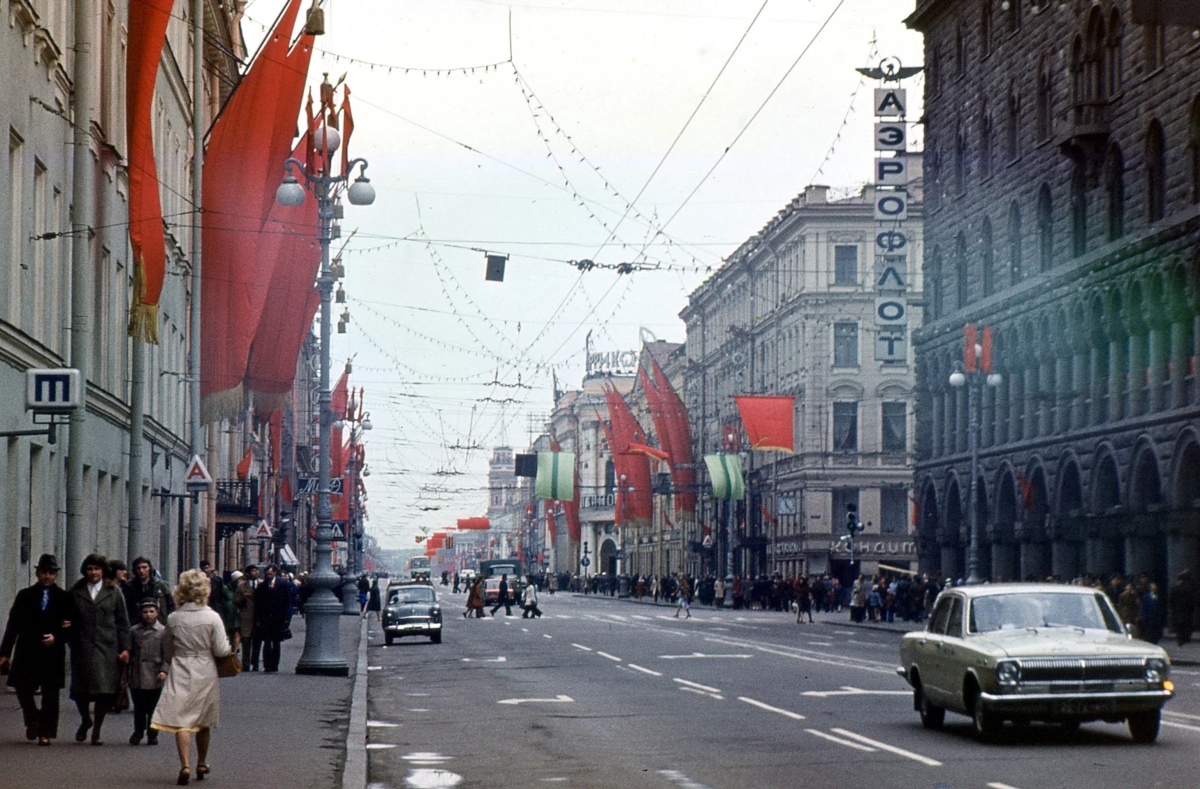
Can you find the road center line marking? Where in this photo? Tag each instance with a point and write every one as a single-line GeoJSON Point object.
{"type": "Point", "coordinates": [998, 785]}
{"type": "Point", "coordinates": [1184, 715]}
{"type": "Point", "coordinates": [1180, 726]}
{"type": "Point", "coordinates": [581, 646]}
{"type": "Point", "coordinates": [613, 658]}
{"type": "Point", "coordinates": [636, 667]}
{"type": "Point", "coordinates": [716, 696]}
{"type": "Point", "coordinates": [560, 699]}
{"type": "Point", "coordinates": [547, 635]}
{"type": "Point", "coordinates": [691, 684]}
{"type": "Point", "coordinates": [840, 741]}
{"type": "Point", "coordinates": [786, 713]}
{"type": "Point", "coordinates": [883, 746]}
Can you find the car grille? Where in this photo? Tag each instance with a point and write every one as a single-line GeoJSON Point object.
{"type": "Point", "coordinates": [1081, 671]}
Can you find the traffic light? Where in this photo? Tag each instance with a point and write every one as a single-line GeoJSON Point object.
{"type": "Point", "coordinates": [852, 524]}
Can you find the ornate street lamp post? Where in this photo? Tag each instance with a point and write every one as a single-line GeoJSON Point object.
{"type": "Point", "coordinates": [354, 563]}
{"type": "Point", "coordinates": [975, 374]}
{"type": "Point", "coordinates": [322, 650]}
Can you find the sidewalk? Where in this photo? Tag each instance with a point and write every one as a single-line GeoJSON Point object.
{"type": "Point", "coordinates": [1187, 655]}
{"type": "Point", "coordinates": [278, 728]}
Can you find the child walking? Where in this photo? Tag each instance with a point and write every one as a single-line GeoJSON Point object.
{"type": "Point", "coordinates": [147, 670]}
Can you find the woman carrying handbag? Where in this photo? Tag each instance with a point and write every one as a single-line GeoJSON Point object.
{"type": "Point", "coordinates": [191, 700]}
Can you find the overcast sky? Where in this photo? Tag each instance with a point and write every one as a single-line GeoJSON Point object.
{"type": "Point", "coordinates": [547, 158]}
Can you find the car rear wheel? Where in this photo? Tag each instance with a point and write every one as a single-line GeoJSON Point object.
{"type": "Point", "coordinates": [1143, 726]}
{"type": "Point", "coordinates": [986, 723]}
{"type": "Point", "coordinates": [932, 716]}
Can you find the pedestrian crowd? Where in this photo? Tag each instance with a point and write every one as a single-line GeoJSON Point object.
{"type": "Point", "coordinates": [134, 642]}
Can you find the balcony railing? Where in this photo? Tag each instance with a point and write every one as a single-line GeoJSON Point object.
{"type": "Point", "coordinates": [237, 497]}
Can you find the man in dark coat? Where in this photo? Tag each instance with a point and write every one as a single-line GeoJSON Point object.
{"type": "Point", "coordinates": [272, 604]}
{"type": "Point", "coordinates": [100, 641]}
{"type": "Point", "coordinates": [145, 586]}
{"type": "Point", "coordinates": [35, 643]}
{"type": "Point", "coordinates": [502, 598]}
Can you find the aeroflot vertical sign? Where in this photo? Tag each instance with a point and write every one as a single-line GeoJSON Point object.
{"type": "Point", "coordinates": [891, 212]}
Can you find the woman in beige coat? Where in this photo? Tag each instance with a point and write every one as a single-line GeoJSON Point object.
{"type": "Point", "coordinates": [191, 699]}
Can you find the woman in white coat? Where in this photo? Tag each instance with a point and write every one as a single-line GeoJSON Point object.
{"type": "Point", "coordinates": [191, 699]}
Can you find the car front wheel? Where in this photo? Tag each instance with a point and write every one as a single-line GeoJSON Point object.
{"type": "Point", "coordinates": [986, 723]}
{"type": "Point", "coordinates": [932, 716]}
{"type": "Point", "coordinates": [1143, 726]}
{"type": "Point", "coordinates": [388, 638]}
{"type": "Point", "coordinates": [436, 636]}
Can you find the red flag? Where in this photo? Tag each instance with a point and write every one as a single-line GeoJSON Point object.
{"type": "Point", "coordinates": [633, 493]}
{"type": "Point", "coordinates": [551, 524]}
{"type": "Point", "coordinates": [243, 466]}
{"type": "Point", "coordinates": [642, 449]}
{"type": "Point", "coordinates": [970, 338]}
{"type": "Point", "coordinates": [474, 524]}
{"type": "Point", "coordinates": [768, 420]}
{"type": "Point", "coordinates": [244, 163]}
{"type": "Point", "coordinates": [148, 21]}
{"type": "Point", "coordinates": [985, 358]}
{"type": "Point", "coordinates": [683, 475]}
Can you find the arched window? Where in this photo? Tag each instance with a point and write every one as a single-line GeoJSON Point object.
{"type": "Point", "coordinates": [1014, 243]}
{"type": "Point", "coordinates": [1045, 101]}
{"type": "Point", "coordinates": [1078, 211]}
{"type": "Point", "coordinates": [1194, 148]}
{"type": "Point", "coordinates": [1155, 44]}
{"type": "Point", "coordinates": [985, 28]}
{"type": "Point", "coordinates": [1156, 172]}
{"type": "Point", "coordinates": [960, 162]}
{"type": "Point", "coordinates": [1113, 66]}
{"type": "Point", "coordinates": [933, 283]}
{"type": "Point", "coordinates": [1114, 187]}
{"type": "Point", "coordinates": [987, 259]}
{"type": "Point", "coordinates": [1014, 15]}
{"type": "Point", "coordinates": [1012, 129]}
{"type": "Point", "coordinates": [961, 283]}
{"type": "Point", "coordinates": [1077, 71]}
{"type": "Point", "coordinates": [1095, 58]}
{"type": "Point", "coordinates": [1045, 221]}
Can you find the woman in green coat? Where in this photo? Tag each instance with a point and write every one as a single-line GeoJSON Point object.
{"type": "Point", "coordinates": [100, 643]}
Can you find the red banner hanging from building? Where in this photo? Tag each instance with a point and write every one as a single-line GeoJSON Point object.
{"type": "Point", "coordinates": [768, 420]}
{"type": "Point", "coordinates": [148, 21]}
{"type": "Point", "coordinates": [634, 500]}
{"type": "Point", "coordinates": [247, 146]}
{"type": "Point", "coordinates": [677, 427]}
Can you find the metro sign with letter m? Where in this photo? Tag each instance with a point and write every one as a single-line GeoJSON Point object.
{"type": "Point", "coordinates": [52, 391]}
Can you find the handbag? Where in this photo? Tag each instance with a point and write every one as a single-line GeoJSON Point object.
{"type": "Point", "coordinates": [229, 666]}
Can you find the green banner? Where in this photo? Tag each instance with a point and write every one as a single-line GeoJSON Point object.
{"type": "Point", "coordinates": [555, 476]}
{"type": "Point", "coordinates": [725, 472]}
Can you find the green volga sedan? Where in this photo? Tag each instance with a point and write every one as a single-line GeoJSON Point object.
{"type": "Point", "coordinates": [1024, 652]}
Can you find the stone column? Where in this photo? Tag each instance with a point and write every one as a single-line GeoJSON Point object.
{"type": "Point", "coordinates": [1002, 411]}
{"type": "Point", "coordinates": [1180, 362]}
{"type": "Point", "coordinates": [1064, 383]}
{"type": "Point", "coordinates": [1081, 385]}
{"type": "Point", "coordinates": [1116, 377]}
{"type": "Point", "coordinates": [937, 429]}
{"type": "Point", "coordinates": [1032, 414]}
{"type": "Point", "coordinates": [1047, 394]}
{"type": "Point", "coordinates": [1135, 403]}
{"type": "Point", "coordinates": [987, 433]}
{"type": "Point", "coordinates": [1097, 385]}
{"type": "Point", "coordinates": [1015, 404]}
{"type": "Point", "coordinates": [1156, 376]}
{"type": "Point", "coordinates": [1102, 549]}
{"type": "Point", "coordinates": [961, 417]}
{"type": "Point", "coordinates": [1035, 559]}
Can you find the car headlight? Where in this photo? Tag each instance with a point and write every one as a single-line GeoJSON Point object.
{"type": "Point", "coordinates": [435, 611]}
{"type": "Point", "coordinates": [1156, 670]}
{"type": "Point", "coordinates": [1008, 673]}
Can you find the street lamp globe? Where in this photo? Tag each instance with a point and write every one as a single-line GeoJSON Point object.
{"type": "Point", "coordinates": [290, 193]}
{"type": "Point", "coordinates": [326, 138]}
{"type": "Point", "coordinates": [957, 379]}
{"type": "Point", "coordinates": [366, 424]}
{"type": "Point", "coordinates": [361, 192]}
{"type": "Point", "coordinates": [338, 425]}
{"type": "Point", "coordinates": [994, 379]}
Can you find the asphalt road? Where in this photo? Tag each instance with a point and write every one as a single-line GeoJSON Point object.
{"type": "Point", "coordinates": [604, 693]}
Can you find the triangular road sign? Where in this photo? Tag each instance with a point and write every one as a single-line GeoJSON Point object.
{"type": "Point", "coordinates": [197, 477]}
{"type": "Point", "coordinates": [263, 532]}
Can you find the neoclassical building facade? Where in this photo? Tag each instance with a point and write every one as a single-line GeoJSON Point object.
{"type": "Point", "coordinates": [1063, 211]}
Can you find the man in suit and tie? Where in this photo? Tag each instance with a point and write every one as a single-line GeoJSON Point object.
{"type": "Point", "coordinates": [34, 648]}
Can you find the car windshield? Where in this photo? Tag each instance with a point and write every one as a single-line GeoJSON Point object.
{"type": "Point", "coordinates": [1022, 610]}
{"type": "Point", "coordinates": [415, 594]}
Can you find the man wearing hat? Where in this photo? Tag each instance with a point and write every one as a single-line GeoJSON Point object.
{"type": "Point", "coordinates": [35, 641]}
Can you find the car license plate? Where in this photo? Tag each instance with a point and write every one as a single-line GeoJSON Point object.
{"type": "Point", "coordinates": [1086, 706]}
